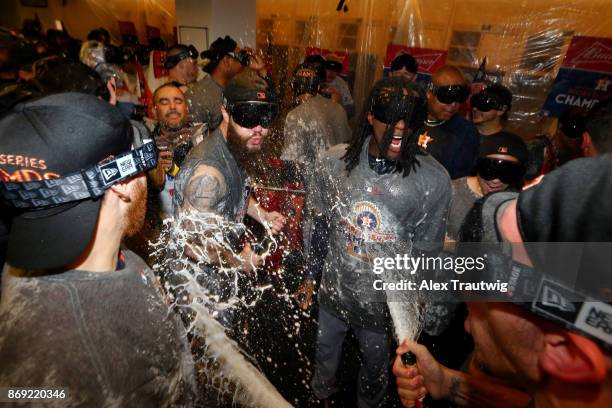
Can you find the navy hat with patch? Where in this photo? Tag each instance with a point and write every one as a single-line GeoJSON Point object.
{"type": "Point", "coordinates": [48, 139]}
{"type": "Point", "coordinates": [504, 143]}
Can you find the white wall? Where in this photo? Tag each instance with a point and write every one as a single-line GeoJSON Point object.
{"type": "Point", "coordinates": [235, 18]}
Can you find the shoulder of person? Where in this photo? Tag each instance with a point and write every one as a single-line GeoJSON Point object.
{"type": "Point", "coordinates": [434, 175]}
{"type": "Point", "coordinates": [336, 152]}
{"type": "Point", "coordinates": [136, 263]}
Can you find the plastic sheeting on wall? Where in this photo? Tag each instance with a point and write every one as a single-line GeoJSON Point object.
{"type": "Point", "coordinates": [524, 40]}
{"type": "Point", "coordinates": [81, 16]}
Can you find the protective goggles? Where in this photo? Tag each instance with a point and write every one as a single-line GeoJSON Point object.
{"type": "Point", "coordinates": [172, 61]}
{"type": "Point", "coordinates": [85, 184]}
{"type": "Point", "coordinates": [389, 109]}
{"type": "Point", "coordinates": [506, 171]}
{"type": "Point", "coordinates": [485, 103]}
{"type": "Point", "coordinates": [254, 113]}
{"type": "Point", "coordinates": [450, 93]}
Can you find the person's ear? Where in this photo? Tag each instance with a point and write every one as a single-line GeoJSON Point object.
{"type": "Point", "coordinates": [572, 358]}
{"type": "Point", "coordinates": [224, 114]}
{"type": "Point", "coordinates": [370, 118]}
{"type": "Point", "coordinates": [122, 191]}
{"type": "Point", "coordinates": [587, 143]}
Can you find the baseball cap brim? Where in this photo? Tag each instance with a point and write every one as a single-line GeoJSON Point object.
{"type": "Point", "coordinates": [52, 238]}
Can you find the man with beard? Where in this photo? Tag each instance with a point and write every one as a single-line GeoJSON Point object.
{"type": "Point", "coordinates": [213, 181]}
{"type": "Point", "coordinates": [448, 137]}
{"type": "Point", "coordinates": [174, 137]}
{"type": "Point", "coordinates": [381, 196]}
{"type": "Point", "coordinates": [74, 305]}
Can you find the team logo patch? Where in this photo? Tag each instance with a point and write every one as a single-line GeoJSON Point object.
{"type": "Point", "coordinates": [424, 139]}
{"type": "Point", "coordinates": [557, 301]}
{"type": "Point", "coordinates": [363, 227]}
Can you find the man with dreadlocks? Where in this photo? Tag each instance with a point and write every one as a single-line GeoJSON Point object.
{"type": "Point", "coordinates": [381, 195]}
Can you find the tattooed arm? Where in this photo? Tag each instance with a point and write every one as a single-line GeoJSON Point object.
{"type": "Point", "coordinates": [204, 190]}
{"type": "Point", "coordinates": [463, 389]}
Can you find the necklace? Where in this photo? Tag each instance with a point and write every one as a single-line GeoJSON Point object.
{"type": "Point", "coordinates": [434, 123]}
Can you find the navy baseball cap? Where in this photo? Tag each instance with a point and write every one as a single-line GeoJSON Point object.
{"type": "Point", "coordinates": [48, 139]}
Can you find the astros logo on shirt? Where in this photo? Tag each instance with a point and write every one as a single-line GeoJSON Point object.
{"type": "Point", "coordinates": [362, 227]}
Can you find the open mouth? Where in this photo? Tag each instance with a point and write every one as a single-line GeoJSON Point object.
{"type": "Point", "coordinates": [396, 142]}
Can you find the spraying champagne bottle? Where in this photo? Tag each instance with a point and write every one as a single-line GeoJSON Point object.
{"type": "Point", "coordinates": [409, 359]}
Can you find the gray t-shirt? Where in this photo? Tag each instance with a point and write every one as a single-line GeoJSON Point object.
{"type": "Point", "coordinates": [108, 337]}
{"type": "Point", "coordinates": [373, 215]}
{"type": "Point", "coordinates": [313, 127]}
{"type": "Point", "coordinates": [462, 200]}
{"type": "Point", "coordinates": [310, 129]}
{"type": "Point", "coordinates": [205, 99]}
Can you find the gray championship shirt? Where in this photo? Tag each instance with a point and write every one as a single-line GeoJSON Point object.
{"type": "Point", "coordinates": [108, 337]}
{"type": "Point", "coordinates": [205, 99]}
{"type": "Point", "coordinates": [376, 214]}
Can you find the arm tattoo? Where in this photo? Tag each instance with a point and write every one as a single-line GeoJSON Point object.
{"type": "Point", "coordinates": [203, 192]}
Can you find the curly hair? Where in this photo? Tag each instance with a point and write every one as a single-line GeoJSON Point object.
{"type": "Point", "coordinates": [400, 99]}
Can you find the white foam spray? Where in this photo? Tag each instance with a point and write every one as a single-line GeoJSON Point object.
{"type": "Point", "coordinates": [229, 364]}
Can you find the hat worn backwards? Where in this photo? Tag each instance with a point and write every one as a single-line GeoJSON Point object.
{"type": "Point", "coordinates": [50, 138]}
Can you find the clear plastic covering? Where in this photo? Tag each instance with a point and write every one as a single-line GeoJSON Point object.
{"type": "Point", "coordinates": [524, 41]}
{"type": "Point", "coordinates": [148, 17]}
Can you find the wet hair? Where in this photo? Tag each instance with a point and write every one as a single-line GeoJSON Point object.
{"type": "Point", "coordinates": [405, 60]}
{"type": "Point", "coordinates": [391, 94]}
{"type": "Point", "coordinates": [218, 49]}
{"type": "Point", "coordinates": [171, 84]}
{"type": "Point", "coordinates": [599, 126]}
{"type": "Point", "coordinates": [177, 49]}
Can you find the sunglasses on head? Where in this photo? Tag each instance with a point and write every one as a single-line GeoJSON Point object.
{"type": "Point", "coordinates": [450, 93]}
{"type": "Point", "coordinates": [486, 103]}
{"type": "Point", "coordinates": [251, 114]}
{"type": "Point", "coordinates": [506, 171]}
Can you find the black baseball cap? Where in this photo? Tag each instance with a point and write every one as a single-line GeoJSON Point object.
{"type": "Point", "coordinates": [51, 138]}
{"type": "Point", "coordinates": [248, 86]}
{"type": "Point", "coordinates": [504, 143]}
